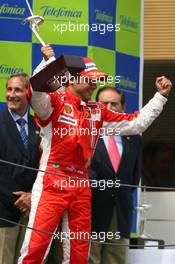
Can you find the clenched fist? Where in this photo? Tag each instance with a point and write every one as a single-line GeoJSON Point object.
{"type": "Point", "coordinates": [47, 52]}
{"type": "Point", "coordinates": [163, 85]}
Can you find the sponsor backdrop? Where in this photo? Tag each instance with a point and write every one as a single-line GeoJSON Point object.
{"type": "Point", "coordinates": [107, 31]}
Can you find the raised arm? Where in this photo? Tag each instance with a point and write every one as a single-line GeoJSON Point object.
{"type": "Point", "coordinates": [42, 102]}
{"type": "Point", "coordinates": [138, 122]}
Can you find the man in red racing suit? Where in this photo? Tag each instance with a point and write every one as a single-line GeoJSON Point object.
{"type": "Point", "coordinates": [70, 126]}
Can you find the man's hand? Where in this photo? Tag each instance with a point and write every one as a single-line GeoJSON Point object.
{"type": "Point", "coordinates": [47, 52]}
{"type": "Point", "coordinates": [23, 203]}
{"type": "Point", "coordinates": [163, 85]}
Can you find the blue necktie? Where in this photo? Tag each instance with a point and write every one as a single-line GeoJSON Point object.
{"type": "Point", "coordinates": [22, 131]}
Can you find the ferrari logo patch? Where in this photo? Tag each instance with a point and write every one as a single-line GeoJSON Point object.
{"type": "Point", "coordinates": [87, 114]}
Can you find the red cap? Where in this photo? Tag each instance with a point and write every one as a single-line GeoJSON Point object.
{"type": "Point", "coordinates": [91, 71]}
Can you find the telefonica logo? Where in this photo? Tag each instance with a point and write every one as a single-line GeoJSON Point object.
{"type": "Point", "coordinates": [128, 22]}
{"type": "Point", "coordinates": [4, 68]}
{"type": "Point", "coordinates": [103, 16]}
{"type": "Point", "coordinates": [11, 10]}
{"type": "Point", "coordinates": [61, 12]}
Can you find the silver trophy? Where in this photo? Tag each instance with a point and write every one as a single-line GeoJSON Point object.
{"type": "Point", "coordinates": [34, 23]}
{"type": "Point", "coordinates": [143, 208]}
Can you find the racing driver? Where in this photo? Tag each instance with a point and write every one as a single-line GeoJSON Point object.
{"type": "Point", "coordinates": [68, 155]}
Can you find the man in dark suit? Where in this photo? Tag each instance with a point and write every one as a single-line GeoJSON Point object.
{"type": "Point", "coordinates": [19, 143]}
{"type": "Point", "coordinates": [112, 207]}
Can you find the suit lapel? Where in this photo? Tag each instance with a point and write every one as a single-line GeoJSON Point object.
{"type": "Point", "coordinates": [33, 133]}
{"type": "Point", "coordinates": [124, 140]}
{"type": "Point", "coordinates": [125, 145]}
{"type": "Point", "coordinates": [14, 133]}
{"type": "Point", "coordinates": [104, 153]}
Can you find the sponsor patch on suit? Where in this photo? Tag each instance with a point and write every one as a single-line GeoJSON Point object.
{"type": "Point", "coordinates": [67, 120]}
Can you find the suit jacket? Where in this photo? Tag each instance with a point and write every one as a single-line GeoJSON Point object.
{"type": "Point", "coordinates": [14, 178]}
{"type": "Point", "coordinates": [128, 172]}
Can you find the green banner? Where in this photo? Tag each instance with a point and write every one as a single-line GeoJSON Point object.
{"type": "Point", "coordinates": [19, 60]}
{"type": "Point", "coordinates": [65, 24]}
{"type": "Point", "coordinates": [128, 38]}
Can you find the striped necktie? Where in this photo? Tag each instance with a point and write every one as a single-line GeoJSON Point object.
{"type": "Point", "coordinates": [22, 131]}
{"type": "Point", "coordinates": [113, 153]}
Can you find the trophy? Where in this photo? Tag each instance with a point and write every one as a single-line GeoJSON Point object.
{"type": "Point", "coordinates": [143, 239]}
{"type": "Point", "coordinates": [143, 209]}
{"type": "Point", "coordinates": [34, 23]}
